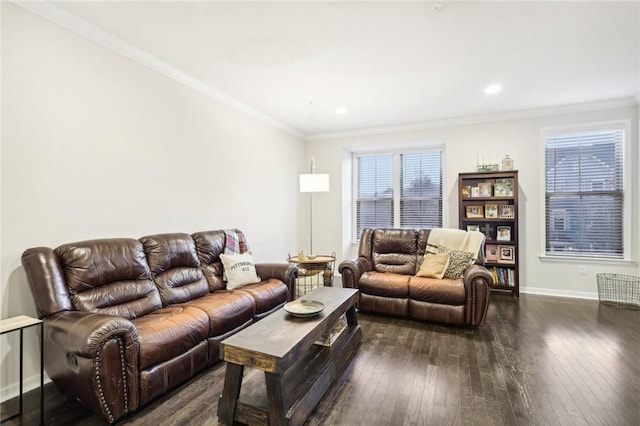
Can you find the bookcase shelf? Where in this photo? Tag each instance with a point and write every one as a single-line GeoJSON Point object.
{"type": "Point", "coordinates": [488, 202]}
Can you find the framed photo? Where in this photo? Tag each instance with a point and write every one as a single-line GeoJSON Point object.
{"type": "Point", "coordinates": [474, 212]}
{"type": "Point", "coordinates": [484, 188]}
{"type": "Point", "coordinates": [488, 231]}
{"type": "Point", "coordinates": [506, 254]}
{"type": "Point", "coordinates": [504, 233]}
{"type": "Point", "coordinates": [503, 187]}
{"type": "Point", "coordinates": [506, 211]}
{"type": "Point", "coordinates": [491, 253]}
{"type": "Point", "coordinates": [473, 228]}
{"type": "Point", "coordinates": [475, 191]}
{"type": "Point", "coordinates": [465, 191]}
{"type": "Point", "coordinates": [491, 211]}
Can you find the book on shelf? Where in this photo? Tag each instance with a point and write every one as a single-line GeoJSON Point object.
{"type": "Point", "coordinates": [503, 276]}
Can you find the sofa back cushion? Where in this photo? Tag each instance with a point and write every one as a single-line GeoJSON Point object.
{"type": "Point", "coordinates": [209, 246]}
{"type": "Point", "coordinates": [395, 250]}
{"type": "Point", "coordinates": [109, 276]}
{"type": "Point", "coordinates": [175, 267]}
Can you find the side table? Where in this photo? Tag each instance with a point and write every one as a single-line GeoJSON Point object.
{"type": "Point", "coordinates": [20, 323]}
{"type": "Point", "coordinates": [313, 272]}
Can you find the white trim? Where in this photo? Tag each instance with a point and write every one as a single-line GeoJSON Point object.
{"type": "Point", "coordinates": [559, 293]}
{"type": "Point", "coordinates": [481, 119]}
{"type": "Point", "coordinates": [586, 259]}
{"type": "Point", "coordinates": [85, 29]}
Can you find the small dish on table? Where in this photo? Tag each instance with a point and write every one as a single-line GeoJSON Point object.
{"type": "Point", "coordinates": [304, 308]}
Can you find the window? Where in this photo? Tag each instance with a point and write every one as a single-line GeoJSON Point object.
{"type": "Point", "coordinates": [584, 193]}
{"type": "Point", "coordinates": [398, 189]}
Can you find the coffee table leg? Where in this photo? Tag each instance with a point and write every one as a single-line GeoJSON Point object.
{"type": "Point", "coordinates": [275, 399]}
{"type": "Point", "coordinates": [352, 318]}
{"type": "Point", "coordinates": [230, 393]}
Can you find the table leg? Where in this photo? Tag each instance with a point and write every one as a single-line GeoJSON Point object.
{"type": "Point", "coordinates": [352, 318]}
{"type": "Point", "coordinates": [230, 393]}
{"type": "Point", "coordinates": [42, 373]}
{"type": "Point", "coordinates": [275, 397]}
{"type": "Point", "coordinates": [21, 368]}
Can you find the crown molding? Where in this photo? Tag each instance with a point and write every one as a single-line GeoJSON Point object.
{"type": "Point", "coordinates": [72, 22]}
{"type": "Point", "coordinates": [482, 119]}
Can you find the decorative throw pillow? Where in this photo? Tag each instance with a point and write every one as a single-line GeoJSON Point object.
{"type": "Point", "coordinates": [458, 262]}
{"type": "Point", "coordinates": [239, 269]}
{"type": "Point", "coordinates": [434, 265]}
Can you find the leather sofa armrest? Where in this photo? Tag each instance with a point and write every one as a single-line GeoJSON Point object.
{"type": "Point", "coordinates": [83, 333]}
{"type": "Point", "coordinates": [95, 358]}
{"type": "Point", "coordinates": [287, 273]}
{"type": "Point", "coordinates": [477, 281]}
{"type": "Point", "coordinates": [352, 270]}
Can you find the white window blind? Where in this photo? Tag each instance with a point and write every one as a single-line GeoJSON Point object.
{"type": "Point", "coordinates": [399, 190]}
{"type": "Point", "coordinates": [584, 187]}
{"type": "Point", "coordinates": [421, 190]}
{"type": "Point", "coordinates": [374, 189]}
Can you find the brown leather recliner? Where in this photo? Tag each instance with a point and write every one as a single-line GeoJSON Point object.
{"type": "Point", "coordinates": [126, 320]}
{"type": "Point", "coordinates": [384, 272]}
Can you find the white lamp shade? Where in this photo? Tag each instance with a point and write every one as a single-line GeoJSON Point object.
{"type": "Point", "coordinates": [314, 182]}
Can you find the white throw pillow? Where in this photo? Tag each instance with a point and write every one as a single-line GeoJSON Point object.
{"type": "Point", "coordinates": [239, 269]}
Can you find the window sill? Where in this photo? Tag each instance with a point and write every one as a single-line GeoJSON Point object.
{"type": "Point", "coordinates": [584, 259]}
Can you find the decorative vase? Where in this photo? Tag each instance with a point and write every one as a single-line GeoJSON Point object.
{"type": "Point", "coordinates": [507, 163]}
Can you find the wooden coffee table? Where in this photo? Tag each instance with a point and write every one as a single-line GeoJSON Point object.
{"type": "Point", "coordinates": [297, 371]}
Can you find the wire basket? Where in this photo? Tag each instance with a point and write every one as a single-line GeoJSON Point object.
{"type": "Point", "coordinates": [618, 290]}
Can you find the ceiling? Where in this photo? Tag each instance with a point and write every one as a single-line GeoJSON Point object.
{"type": "Point", "coordinates": [388, 63]}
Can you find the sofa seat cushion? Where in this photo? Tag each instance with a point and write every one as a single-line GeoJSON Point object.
{"type": "Point", "coordinates": [267, 294]}
{"type": "Point", "coordinates": [385, 284]}
{"type": "Point", "coordinates": [225, 309]}
{"type": "Point", "coordinates": [169, 332]}
{"type": "Point", "coordinates": [443, 291]}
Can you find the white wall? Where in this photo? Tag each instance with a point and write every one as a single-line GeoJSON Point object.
{"type": "Point", "coordinates": [95, 145]}
{"type": "Point", "coordinates": [521, 138]}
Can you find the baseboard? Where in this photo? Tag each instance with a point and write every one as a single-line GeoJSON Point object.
{"type": "Point", "coordinates": [29, 384]}
{"type": "Point", "coordinates": [559, 293]}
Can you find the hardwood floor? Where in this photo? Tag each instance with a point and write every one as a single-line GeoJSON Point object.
{"type": "Point", "coordinates": [536, 361]}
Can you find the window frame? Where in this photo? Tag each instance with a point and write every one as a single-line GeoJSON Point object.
{"type": "Point", "coordinates": [396, 154]}
{"type": "Point", "coordinates": [628, 198]}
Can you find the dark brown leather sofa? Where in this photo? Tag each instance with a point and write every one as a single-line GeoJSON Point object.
{"type": "Point", "coordinates": [384, 272]}
{"type": "Point", "coordinates": [126, 320]}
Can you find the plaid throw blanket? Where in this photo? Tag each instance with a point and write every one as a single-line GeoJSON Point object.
{"type": "Point", "coordinates": [235, 242]}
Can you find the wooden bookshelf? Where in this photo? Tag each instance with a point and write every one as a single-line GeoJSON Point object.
{"type": "Point", "coordinates": [488, 202]}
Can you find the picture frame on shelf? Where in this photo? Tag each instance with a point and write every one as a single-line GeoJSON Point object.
{"type": "Point", "coordinates": [484, 188]}
{"type": "Point", "coordinates": [475, 191]}
{"type": "Point", "coordinates": [491, 211]}
{"type": "Point", "coordinates": [503, 233]}
{"type": "Point", "coordinates": [475, 212]}
{"type": "Point", "coordinates": [473, 228]}
{"type": "Point", "coordinates": [506, 211]}
{"type": "Point", "coordinates": [491, 253]}
{"type": "Point", "coordinates": [487, 230]}
{"type": "Point", "coordinates": [503, 187]}
{"type": "Point", "coordinates": [465, 191]}
{"type": "Point", "coordinates": [506, 254]}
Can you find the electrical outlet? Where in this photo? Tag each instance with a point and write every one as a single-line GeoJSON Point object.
{"type": "Point", "coordinates": [582, 270]}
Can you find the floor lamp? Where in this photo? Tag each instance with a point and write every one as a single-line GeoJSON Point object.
{"type": "Point", "coordinates": [313, 182]}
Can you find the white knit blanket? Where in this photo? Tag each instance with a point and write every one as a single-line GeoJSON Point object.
{"type": "Point", "coordinates": [455, 239]}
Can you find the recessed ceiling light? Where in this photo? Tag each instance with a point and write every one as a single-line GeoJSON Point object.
{"type": "Point", "coordinates": [493, 88]}
{"type": "Point", "coordinates": [341, 110]}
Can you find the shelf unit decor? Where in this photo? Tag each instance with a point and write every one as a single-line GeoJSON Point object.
{"type": "Point", "coordinates": [488, 202]}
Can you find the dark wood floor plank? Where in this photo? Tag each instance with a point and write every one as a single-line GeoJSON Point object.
{"type": "Point", "coordinates": [536, 361]}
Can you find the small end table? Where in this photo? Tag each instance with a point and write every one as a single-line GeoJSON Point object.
{"type": "Point", "coordinates": [313, 272]}
{"type": "Point", "coordinates": [20, 323]}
